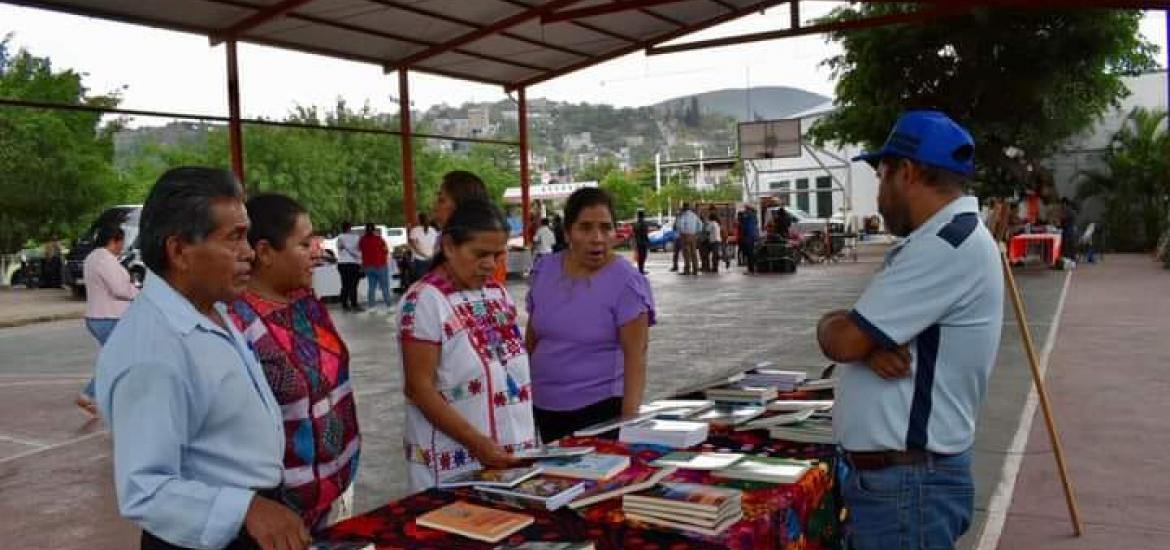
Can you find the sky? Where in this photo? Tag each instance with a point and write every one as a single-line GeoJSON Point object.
{"type": "Point", "coordinates": [178, 72]}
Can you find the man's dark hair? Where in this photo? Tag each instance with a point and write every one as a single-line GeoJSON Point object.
{"type": "Point", "coordinates": [423, 220]}
{"type": "Point", "coordinates": [462, 185]}
{"type": "Point", "coordinates": [179, 205]}
{"type": "Point", "coordinates": [544, 222]}
{"type": "Point", "coordinates": [641, 215]}
{"type": "Point", "coordinates": [471, 217]}
{"type": "Point", "coordinates": [940, 179]}
{"type": "Point", "coordinates": [370, 229]}
{"type": "Point", "coordinates": [584, 198]}
{"type": "Point", "coordinates": [273, 217]}
{"type": "Point", "coordinates": [108, 233]}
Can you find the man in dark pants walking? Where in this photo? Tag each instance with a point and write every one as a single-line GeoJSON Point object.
{"type": "Point", "coordinates": [749, 231]}
{"type": "Point", "coordinates": [642, 240]}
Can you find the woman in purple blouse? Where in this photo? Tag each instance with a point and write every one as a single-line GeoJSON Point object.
{"type": "Point", "coordinates": [589, 318]}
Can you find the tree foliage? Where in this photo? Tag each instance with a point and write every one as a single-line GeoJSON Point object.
{"type": "Point", "coordinates": [54, 165]}
{"type": "Point", "coordinates": [1023, 79]}
{"type": "Point", "coordinates": [1135, 186]}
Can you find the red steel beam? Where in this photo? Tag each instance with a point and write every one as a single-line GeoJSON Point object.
{"type": "Point", "coordinates": [522, 99]}
{"type": "Point", "coordinates": [663, 18]}
{"type": "Point", "coordinates": [408, 205]}
{"type": "Point", "coordinates": [256, 19]}
{"type": "Point", "coordinates": [235, 129]}
{"type": "Point", "coordinates": [482, 32]}
{"type": "Point", "coordinates": [582, 25]}
{"type": "Point", "coordinates": [472, 24]}
{"type": "Point", "coordinates": [602, 9]}
{"type": "Point", "coordinates": [871, 22]}
{"type": "Point", "coordinates": [670, 35]}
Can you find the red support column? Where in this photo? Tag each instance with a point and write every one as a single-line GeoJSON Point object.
{"type": "Point", "coordinates": [523, 120]}
{"type": "Point", "coordinates": [407, 151]}
{"type": "Point", "coordinates": [235, 129]}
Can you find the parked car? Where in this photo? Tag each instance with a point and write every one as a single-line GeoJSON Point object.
{"type": "Point", "coordinates": [663, 238]}
{"type": "Point", "coordinates": [27, 271]}
{"type": "Point", "coordinates": [394, 236]}
{"type": "Point", "coordinates": [127, 215]}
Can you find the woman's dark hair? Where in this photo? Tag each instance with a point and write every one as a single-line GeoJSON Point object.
{"type": "Point", "coordinates": [584, 198]}
{"type": "Point", "coordinates": [471, 217]}
{"type": "Point", "coordinates": [462, 185]}
{"type": "Point", "coordinates": [273, 217]}
{"type": "Point", "coordinates": [370, 229]}
{"type": "Point", "coordinates": [179, 205]}
{"type": "Point", "coordinates": [108, 233]}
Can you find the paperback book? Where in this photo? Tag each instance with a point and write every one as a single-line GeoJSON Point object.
{"type": "Point", "coordinates": [505, 477]}
{"type": "Point", "coordinates": [540, 492]}
{"type": "Point", "coordinates": [698, 461]}
{"type": "Point", "coordinates": [765, 469]}
{"type": "Point", "coordinates": [474, 521]}
{"type": "Point", "coordinates": [590, 466]}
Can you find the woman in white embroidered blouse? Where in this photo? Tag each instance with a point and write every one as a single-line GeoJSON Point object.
{"type": "Point", "coordinates": [465, 367]}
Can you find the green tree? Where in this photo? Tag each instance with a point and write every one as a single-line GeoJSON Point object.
{"type": "Point", "coordinates": [596, 171]}
{"type": "Point", "coordinates": [55, 166]}
{"type": "Point", "coordinates": [1017, 78]}
{"type": "Point", "coordinates": [627, 195]}
{"type": "Point", "coordinates": [1135, 186]}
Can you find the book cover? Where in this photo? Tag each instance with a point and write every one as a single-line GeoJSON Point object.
{"type": "Point", "coordinates": [781, 419]}
{"type": "Point", "coordinates": [590, 466]}
{"type": "Point", "coordinates": [635, 478]}
{"type": "Point", "coordinates": [608, 426]}
{"type": "Point", "coordinates": [670, 433]}
{"type": "Point", "coordinates": [729, 414]}
{"type": "Point", "coordinates": [505, 477]}
{"type": "Point", "coordinates": [677, 409]}
{"type": "Point", "coordinates": [689, 496]}
{"type": "Point", "coordinates": [680, 526]}
{"type": "Point", "coordinates": [551, 452]}
{"type": "Point", "coordinates": [473, 521]}
{"type": "Point", "coordinates": [769, 470]}
{"type": "Point", "coordinates": [698, 461]}
{"type": "Point", "coordinates": [544, 492]}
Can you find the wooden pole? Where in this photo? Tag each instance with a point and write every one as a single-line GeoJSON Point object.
{"type": "Point", "coordinates": [1037, 377]}
{"type": "Point", "coordinates": [235, 129]}
{"type": "Point", "coordinates": [522, 111]}
{"type": "Point", "coordinates": [408, 205]}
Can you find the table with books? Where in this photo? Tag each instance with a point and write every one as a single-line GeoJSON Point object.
{"type": "Point", "coordinates": [741, 481]}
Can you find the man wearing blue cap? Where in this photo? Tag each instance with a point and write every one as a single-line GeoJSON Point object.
{"type": "Point", "coordinates": [918, 346]}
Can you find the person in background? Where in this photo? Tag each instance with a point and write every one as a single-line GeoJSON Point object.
{"type": "Point", "coordinates": [714, 243]}
{"type": "Point", "coordinates": [916, 351]}
{"type": "Point", "coordinates": [558, 228]}
{"type": "Point", "coordinates": [349, 266]}
{"type": "Point", "coordinates": [688, 225]}
{"type": "Point", "coordinates": [642, 241]}
{"type": "Point", "coordinates": [542, 241]}
{"type": "Point", "coordinates": [108, 292]}
{"type": "Point", "coordinates": [459, 186]}
{"type": "Point", "coordinates": [589, 319]}
{"type": "Point", "coordinates": [376, 263]}
{"type": "Point", "coordinates": [423, 238]}
{"type": "Point", "coordinates": [465, 368]}
{"type": "Point", "coordinates": [197, 434]}
{"type": "Point", "coordinates": [749, 233]}
{"type": "Point", "coordinates": [305, 362]}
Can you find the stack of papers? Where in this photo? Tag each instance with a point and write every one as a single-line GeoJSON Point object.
{"type": "Point", "coordinates": [676, 434]}
{"type": "Point", "coordinates": [686, 507]}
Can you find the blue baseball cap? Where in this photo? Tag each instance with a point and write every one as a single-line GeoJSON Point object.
{"type": "Point", "coordinates": [928, 137]}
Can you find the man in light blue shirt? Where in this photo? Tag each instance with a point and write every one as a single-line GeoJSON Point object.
{"type": "Point", "coordinates": [918, 347]}
{"type": "Point", "coordinates": [688, 226]}
{"type": "Point", "coordinates": [197, 433]}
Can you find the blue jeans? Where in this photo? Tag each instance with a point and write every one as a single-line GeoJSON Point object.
{"type": "Point", "coordinates": [922, 506]}
{"type": "Point", "coordinates": [100, 329]}
{"type": "Point", "coordinates": [378, 277]}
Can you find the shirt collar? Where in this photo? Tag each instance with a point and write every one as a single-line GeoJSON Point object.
{"type": "Point", "coordinates": [944, 216]}
{"type": "Point", "coordinates": [178, 310]}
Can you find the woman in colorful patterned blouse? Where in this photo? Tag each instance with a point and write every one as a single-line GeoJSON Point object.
{"type": "Point", "coordinates": [465, 368]}
{"type": "Point", "coordinates": [305, 361]}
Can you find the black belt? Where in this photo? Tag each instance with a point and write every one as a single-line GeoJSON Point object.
{"type": "Point", "coordinates": [877, 460]}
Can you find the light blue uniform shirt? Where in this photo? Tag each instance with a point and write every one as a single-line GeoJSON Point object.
{"type": "Point", "coordinates": [941, 292]}
{"type": "Point", "coordinates": [195, 425]}
{"type": "Point", "coordinates": [688, 223]}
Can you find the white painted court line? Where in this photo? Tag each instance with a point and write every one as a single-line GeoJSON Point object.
{"type": "Point", "coordinates": [52, 447]}
{"type": "Point", "coordinates": [1001, 499]}
{"type": "Point", "coordinates": [20, 441]}
{"type": "Point", "coordinates": [70, 381]}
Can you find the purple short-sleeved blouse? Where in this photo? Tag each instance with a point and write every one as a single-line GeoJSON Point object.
{"type": "Point", "coordinates": [578, 359]}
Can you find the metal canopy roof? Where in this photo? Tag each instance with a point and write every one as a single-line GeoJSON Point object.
{"type": "Point", "coordinates": [512, 43]}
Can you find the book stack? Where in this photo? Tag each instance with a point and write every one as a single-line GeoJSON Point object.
{"type": "Point", "coordinates": [729, 414]}
{"type": "Point", "coordinates": [675, 409]}
{"type": "Point", "coordinates": [676, 434]}
{"type": "Point", "coordinates": [591, 466]}
{"type": "Point", "coordinates": [818, 384]}
{"type": "Point", "coordinates": [473, 521]}
{"type": "Point", "coordinates": [813, 430]}
{"type": "Point", "coordinates": [638, 477]}
{"type": "Point", "coordinates": [739, 392]}
{"type": "Point", "coordinates": [686, 507]}
{"type": "Point", "coordinates": [501, 477]}
{"type": "Point", "coordinates": [782, 380]}
{"type": "Point", "coordinates": [792, 405]}
{"type": "Point", "coordinates": [541, 492]}
{"type": "Point", "coordinates": [551, 451]}
{"type": "Point", "coordinates": [768, 470]}
{"type": "Point", "coordinates": [781, 419]}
